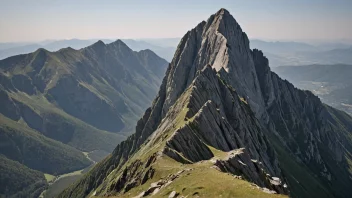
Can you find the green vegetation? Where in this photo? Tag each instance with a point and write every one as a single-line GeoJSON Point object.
{"type": "Point", "coordinates": [49, 178]}
{"type": "Point", "coordinates": [18, 180]}
{"type": "Point", "coordinates": [65, 127]}
{"type": "Point", "coordinates": [302, 182]}
{"type": "Point", "coordinates": [195, 183]}
{"type": "Point", "coordinates": [218, 153]}
{"type": "Point", "coordinates": [212, 184]}
{"type": "Point", "coordinates": [97, 155]}
{"type": "Point", "coordinates": [23, 144]}
{"type": "Point", "coordinates": [59, 185]}
{"type": "Point", "coordinates": [296, 120]}
{"type": "Point", "coordinates": [83, 98]}
{"type": "Point", "coordinates": [57, 104]}
{"type": "Point", "coordinates": [61, 182]}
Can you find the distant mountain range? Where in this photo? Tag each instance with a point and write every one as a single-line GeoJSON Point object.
{"type": "Point", "coordinates": [332, 83]}
{"type": "Point", "coordinates": [279, 53]}
{"type": "Point", "coordinates": [281, 47]}
{"type": "Point", "coordinates": [56, 105]}
{"type": "Point", "coordinates": [296, 53]}
{"type": "Point", "coordinates": [164, 50]}
{"type": "Point", "coordinates": [224, 125]}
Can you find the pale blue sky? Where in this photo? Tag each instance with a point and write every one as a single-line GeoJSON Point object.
{"type": "Point", "coordinates": [35, 20]}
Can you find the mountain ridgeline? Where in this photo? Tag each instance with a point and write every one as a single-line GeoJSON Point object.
{"type": "Point", "coordinates": [224, 124]}
{"type": "Point", "coordinates": [87, 93]}
{"type": "Point", "coordinates": [54, 105]}
{"type": "Point", "coordinates": [332, 83]}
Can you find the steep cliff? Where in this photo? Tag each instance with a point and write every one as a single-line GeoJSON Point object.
{"type": "Point", "coordinates": [221, 109]}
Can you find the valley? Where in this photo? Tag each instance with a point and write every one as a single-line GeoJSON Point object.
{"type": "Point", "coordinates": [107, 99]}
{"type": "Point", "coordinates": [56, 105]}
{"type": "Point", "coordinates": [221, 114]}
{"type": "Point", "coordinates": [58, 183]}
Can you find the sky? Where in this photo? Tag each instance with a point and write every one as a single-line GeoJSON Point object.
{"type": "Point", "coordinates": [295, 20]}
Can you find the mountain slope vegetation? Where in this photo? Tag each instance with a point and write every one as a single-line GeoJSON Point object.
{"type": "Point", "coordinates": [18, 180]}
{"type": "Point", "coordinates": [221, 115]}
{"type": "Point", "coordinates": [73, 94]}
{"type": "Point", "coordinates": [23, 144]}
{"type": "Point", "coordinates": [164, 48]}
{"type": "Point", "coordinates": [57, 104]}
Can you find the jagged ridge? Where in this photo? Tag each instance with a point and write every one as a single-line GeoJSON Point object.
{"type": "Point", "coordinates": [278, 119]}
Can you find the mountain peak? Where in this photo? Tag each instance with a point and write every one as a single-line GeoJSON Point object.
{"type": "Point", "coordinates": [220, 43]}
{"type": "Point", "coordinates": [97, 45]}
{"type": "Point", "coordinates": [41, 50]}
{"type": "Point", "coordinates": [147, 52]}
{"type": "Point", "coordinates": [222, 11]}
{"type": "Point", "coordinates": [120, 44]}
{"type": "Point", "coordinates": [219, 96]}
{"type": "Point", "coordinates": [223, 16]}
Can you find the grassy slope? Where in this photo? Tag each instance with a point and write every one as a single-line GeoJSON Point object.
{"type": "Point", "coordinates": [23, 144]}
{"type": "Point", "coordinates": [60, 185]}
{"type": "Point", "coordinates": [300, 180]}
{"type": "Point", "coordinates": [202, 181]}
{"type": "Point", "coordinates": [26, 145]}
{"type": "Point", "coordinates": [101, 69]}
{"type": "Point", "coordinates": [85, 137]}
{"type": "Point", "coordinates": [17, 179]}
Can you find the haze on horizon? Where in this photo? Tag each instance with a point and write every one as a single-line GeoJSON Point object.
{"type": "Point", "coordinates": [297, 20]}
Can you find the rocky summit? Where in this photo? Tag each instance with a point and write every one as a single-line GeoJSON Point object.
{"type": "Point", "coordinates": [224, 125]}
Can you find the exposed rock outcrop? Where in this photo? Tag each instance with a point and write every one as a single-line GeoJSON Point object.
{"type": "Point", "coordinates": [219, 96]}
{"type": "Point", "coordinates": [238, 162]}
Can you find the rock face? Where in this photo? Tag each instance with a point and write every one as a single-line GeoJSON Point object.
{"type": "Point", "coordinates": [330, 82]}
{"type": "Point", "coordinates": [220, 98]}
{"type": "Point", "coordinates": [239, 162]}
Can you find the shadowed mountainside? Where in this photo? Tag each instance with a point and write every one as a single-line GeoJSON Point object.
{"type": "Point", "coordinates": [222, 119]}
{"type": "Point", "coordinates": [57, 104]}
{"type": "Point", "coordinates": [332, 83]}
